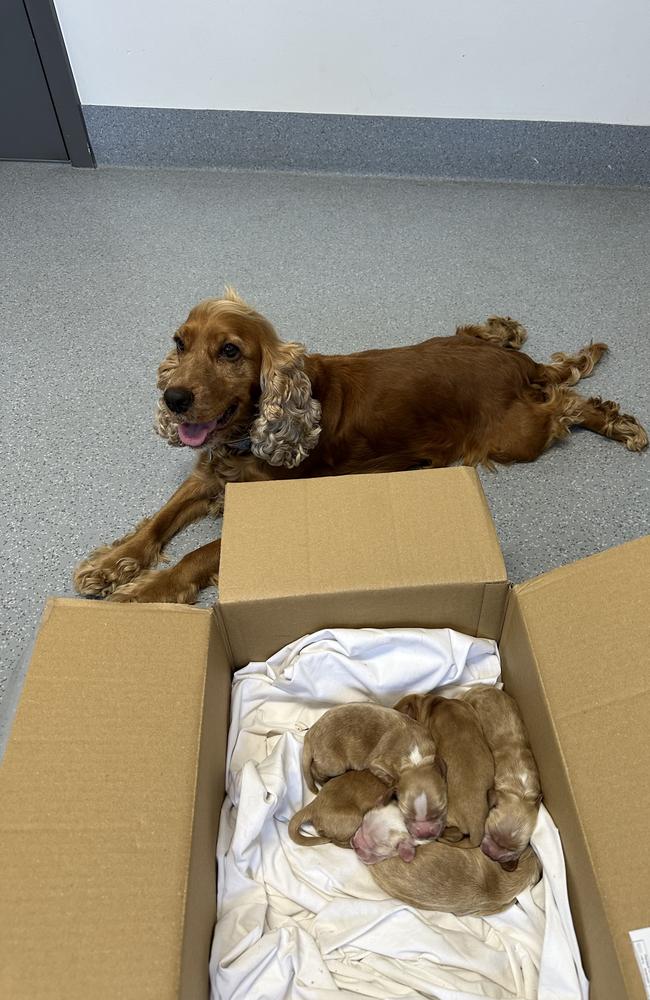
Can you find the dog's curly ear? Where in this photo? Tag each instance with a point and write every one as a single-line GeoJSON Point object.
{"type": "Point", "coordinates": [231, 295]}
{"type": "Point", "coordinates": [163, 423]}
{"type": "Point", "coordinates": [288, 424]}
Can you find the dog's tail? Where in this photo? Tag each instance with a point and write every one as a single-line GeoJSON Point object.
{"type": "Point", "coordinates": [304, 816]}
{"type": "Point", "coordinates": [307, 760]}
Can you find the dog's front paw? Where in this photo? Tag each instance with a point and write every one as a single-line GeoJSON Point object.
{"type": "Point", "coordinates": [155, 587]}
{"type": "Point", "coordinates": [106, 569]}
{"type": "Point", "coordinates": [632, 434]}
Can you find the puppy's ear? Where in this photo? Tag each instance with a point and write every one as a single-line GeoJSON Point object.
{"type": "Point", "coordinates": [383, 770]}
{"type": "Point", "coordinates": [440, 765]}
{"type": "Point", "coordinates": [163, 422]}
{"type": "Point", "coordinates": [409, 705]}
{"type": "Point", "coordinates": [384, 799]}
{"type": "Point", "coordinates": [288, 424]}
{"type": "Point", "coordinates": [406, 850]}
{"type": "Point", "coordinates": [452, 835]}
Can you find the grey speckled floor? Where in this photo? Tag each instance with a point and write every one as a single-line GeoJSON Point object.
{"type": "Point", "coordinates": [99, 266]}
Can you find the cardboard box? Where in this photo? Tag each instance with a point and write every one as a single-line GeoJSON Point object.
{"type": "Point", "coordinates": [113, 778]}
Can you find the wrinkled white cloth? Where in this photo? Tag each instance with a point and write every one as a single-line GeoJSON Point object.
{"type": "Point", "coordinates": [310, 922]}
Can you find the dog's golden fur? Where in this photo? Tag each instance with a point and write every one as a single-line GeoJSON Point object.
{"type": "Point", "coordinates": [278, 412]}
{"type": "Point", "coordinates": [459, 740]}
{"type": "Point", "coordinates": [465, 883]}
{"type": "Point", "coordinates": [338, 810]}
{"type": "Point", "coordinates": [517, 790]}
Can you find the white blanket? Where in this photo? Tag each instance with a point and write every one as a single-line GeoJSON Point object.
{"type": "Point", "coordinates": [310, 922]}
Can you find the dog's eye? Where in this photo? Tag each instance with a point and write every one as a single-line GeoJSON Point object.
{"type": "Point", "coordinates": [229, 351]}
{"type": "Point", "coordinates": [180, 346]}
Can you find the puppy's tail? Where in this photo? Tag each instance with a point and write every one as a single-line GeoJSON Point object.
{"type": "Point", "coordinates": [304, 816]}
{"type": "Point", "coordinates": [307, 760]}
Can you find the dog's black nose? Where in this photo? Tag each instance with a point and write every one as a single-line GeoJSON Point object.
{"type": "Point", "coordinates": [178, 400]}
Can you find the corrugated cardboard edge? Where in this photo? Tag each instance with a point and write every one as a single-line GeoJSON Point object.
{"type": "Point", "coordinates": [493, 610]}
{"type": "Point", "coordinates": [550, 578]}
{"type": "Point", "coordinates": [200, 900]}
{"type": "Point", "coordinates": [513, 608]}
{"type": "Point", "coordinates": [220, 625]}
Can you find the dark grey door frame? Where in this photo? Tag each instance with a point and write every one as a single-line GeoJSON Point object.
{"type": "Point", "coordinates": [58, 73]}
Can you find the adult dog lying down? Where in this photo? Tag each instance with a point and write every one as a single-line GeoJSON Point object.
{"type": "Point", "coordinates": [257, 408]}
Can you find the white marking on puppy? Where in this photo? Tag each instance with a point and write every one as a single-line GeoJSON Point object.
{"type": "Point", "coordinates": [420, 806]}
{"type": "Point", "coordinates": [527, 782]}
{"type": "Point", "coordinates": [415, 757]}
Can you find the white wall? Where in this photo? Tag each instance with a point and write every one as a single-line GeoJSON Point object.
{"type": "Point", "coordinates": [560, 60]}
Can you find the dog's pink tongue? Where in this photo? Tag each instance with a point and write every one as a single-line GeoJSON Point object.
{"type": "Point", "coordinates": [194, 435]}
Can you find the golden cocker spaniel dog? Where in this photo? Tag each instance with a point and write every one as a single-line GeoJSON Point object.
{"type": "Point", "coordinates": [257, 408]}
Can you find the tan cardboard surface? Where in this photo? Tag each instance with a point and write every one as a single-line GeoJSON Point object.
{"type": "Point", "coordinates": [575, 648]}
{"type": "Point", "coordinates": [113, 778]}
{"type": "Point", "coordinates": [411, 548]}
{"type": "Point", "coordinates": [104, 863]}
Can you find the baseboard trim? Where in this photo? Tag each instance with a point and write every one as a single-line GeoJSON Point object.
{"type": "Point", "coordinates": [551, 152]}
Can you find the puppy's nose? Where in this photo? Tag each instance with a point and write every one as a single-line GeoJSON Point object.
{"type": "Point", "coordinates": [178, 400]}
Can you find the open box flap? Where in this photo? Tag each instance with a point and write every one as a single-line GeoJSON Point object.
{"type": "Point", "coordinates": [110, 792]}
{"type": "Point", "coordinates": [575, 647]}
{"type": "Point", "coordinates": [411, 548]}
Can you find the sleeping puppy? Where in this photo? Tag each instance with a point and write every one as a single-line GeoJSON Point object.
{"type": "Point", "coordinates": [465, 883]}
{"type": "Point", "coordinates": [338, 810]}
{"type": "Point", "coordinates": [517, 791]}
{"type": "Point", "coordinates": [458, 736]}
{"type": "Point", "coordinates": [398, 750]}
{"type": "Point", "coordinates": [383, 834]}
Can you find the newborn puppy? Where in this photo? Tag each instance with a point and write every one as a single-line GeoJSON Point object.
{"type": "Point", "coordinates": [383, 834]}
{"type": "Point", "coordinates": [465, 883]}
{"type": "Point", "coordinates": [395, 748]}
{"type": "Point", "coordinates": [421, 793]}
{"type": "Point", "coordinates": [338, 810]}
{"type": "Point", "coordinates": [460, 742]}
{"type": "Point", "coordinates": [517, 791]}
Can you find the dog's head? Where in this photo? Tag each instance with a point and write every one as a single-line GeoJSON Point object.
{"type": "Point", "coordinates": [422, 798]}
{"type": "Point", "coordinates": [509, 826]}
{"type": "Point", "coordinates": [230, 378]}
{"type": "Point", "coordinates": [382, 835]}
